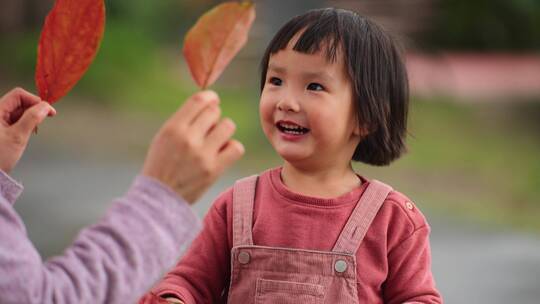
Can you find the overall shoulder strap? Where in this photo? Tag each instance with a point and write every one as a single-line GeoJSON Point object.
{"type": "Point", "coordinates": [361, 218]}
{"type": "Point", "coordinates": [243, 199]}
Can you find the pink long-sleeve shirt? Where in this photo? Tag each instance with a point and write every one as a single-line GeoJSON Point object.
{"type": "Point", "coordinates": [114, 261]}
{"type": "Point", "coordinates": [394, 259]}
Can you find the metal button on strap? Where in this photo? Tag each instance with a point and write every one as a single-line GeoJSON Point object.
{"type": "Point", "coordinates": [243, 257]}
{"type": "Point", "coordinates": [409, 205]}
{"type": "Point", "coordinates": [340, 266]}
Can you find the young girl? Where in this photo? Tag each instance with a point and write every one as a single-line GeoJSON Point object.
{"type": "Point", "coordinates": [334, 90]}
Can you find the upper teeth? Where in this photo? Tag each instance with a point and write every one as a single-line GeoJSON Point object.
{"type": "Point", "coordinates": [288, 126]}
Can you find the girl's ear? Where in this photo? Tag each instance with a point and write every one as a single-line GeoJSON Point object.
{"type": "Point", "coordinates": [360, 130]}
{"type": "Point", "coordinates": [356, 130]}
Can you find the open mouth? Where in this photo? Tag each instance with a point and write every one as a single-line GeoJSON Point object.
{"type": "Point", "coordinates": [288, 127]}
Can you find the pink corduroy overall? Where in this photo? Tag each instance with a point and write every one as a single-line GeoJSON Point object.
{"type": "Point", "coordinates": [264, 275]}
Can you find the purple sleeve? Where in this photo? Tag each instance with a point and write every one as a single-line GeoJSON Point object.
{"type": "Point", "coordinates": [114, 261]}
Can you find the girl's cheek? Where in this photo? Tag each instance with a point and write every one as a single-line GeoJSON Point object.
{"type": "Point", "coordinates": [266, 120]}
{"type": "Point", "coordinates": [265, 103]}
{"type": "Point", "coordinates": [318, 119]}
{"type": "Point", "coordinates": [265, 112]}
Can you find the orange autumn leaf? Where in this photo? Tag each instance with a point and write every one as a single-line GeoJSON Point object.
{"type": "Point", "coordinates": [216, 38]}
{"type": "Point", "coordinates": [68, 43]}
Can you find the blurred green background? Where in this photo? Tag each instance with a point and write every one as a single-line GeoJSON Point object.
{"type": "Point", "coordinates": [474, 158]}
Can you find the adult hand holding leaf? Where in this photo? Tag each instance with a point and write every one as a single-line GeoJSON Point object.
{"type": "Point", "coordinates": [216, 38]}
{"type": "Point", "coordinates": [68, 44]}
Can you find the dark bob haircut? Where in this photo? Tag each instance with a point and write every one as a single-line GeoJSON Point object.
{"type": "Point", "coordinates": [374, 66]}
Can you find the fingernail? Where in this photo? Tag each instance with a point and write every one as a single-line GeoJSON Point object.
{"type": "Point", "coordinates": [211, 96]}
{"type": "Point", "coordinates": [242, 148]}
{"type": "Point", "coordinates": [231, 123]}
{"type": "Point", "coordinates": [46, 109]}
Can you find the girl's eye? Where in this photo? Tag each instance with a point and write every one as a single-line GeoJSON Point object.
{"type": "Point", "coordinates": [315, 87]}
{"type": "Point", "coordinates": [275, 81]}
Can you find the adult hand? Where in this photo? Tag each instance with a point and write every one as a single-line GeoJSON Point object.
{"type": "Point", "coordinates": [193, 148]}
{"type": "Point", "coordinates": [20, 113]}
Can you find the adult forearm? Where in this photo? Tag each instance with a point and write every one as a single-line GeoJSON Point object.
{"type": "Point", "coordinates": [115, 260]}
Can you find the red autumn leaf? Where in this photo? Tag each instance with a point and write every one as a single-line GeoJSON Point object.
{"type": "Point", "coordinates": [216, 38]}
{"type": "Point", "coordinates": [69, 42]}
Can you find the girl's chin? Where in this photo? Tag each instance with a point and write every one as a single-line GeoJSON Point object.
{"type": "Point", "coordinates": [291, 151]}
{"type": "Point", "coordinates": [292, 156]}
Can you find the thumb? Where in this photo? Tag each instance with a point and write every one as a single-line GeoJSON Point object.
{"type": "Point", "coordinates": [32, 117]}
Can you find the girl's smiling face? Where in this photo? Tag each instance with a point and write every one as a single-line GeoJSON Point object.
{"type": "Point", "coordinates": [307, 111]}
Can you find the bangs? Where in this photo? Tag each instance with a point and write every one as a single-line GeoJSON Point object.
{"type": "Point", "coordinates": [319, 32]}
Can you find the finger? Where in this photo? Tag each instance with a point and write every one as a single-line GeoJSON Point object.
{"type": "Point", "coordinates": [14, 103]}
{"type": "Point", "coordinates": [27, 99]}
{"type": "Point", "coordinates": [32, 117]}
{"type": "Point", "coordinates": [220, 135]}
{"type": "Point", "coordinates": [18, 98]}
{"type": "Point", "coordinates": [17, 114]}
{"type": "Point", "coordinates": [232, 152]}
{"type": "Point", "coordinates": [208, 118]}
{"type": "Point", "coordinates": [195, 104]}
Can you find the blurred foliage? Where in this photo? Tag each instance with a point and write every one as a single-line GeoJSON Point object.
{"type": "Point", "coordinates": [509, 25]}
{"type": "Point", "coordinates": [164, 20]}
{"type": "Point", "coordinates": [485, 155]}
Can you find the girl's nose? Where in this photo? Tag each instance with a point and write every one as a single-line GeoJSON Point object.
{"type": "Point", "coordinates": [288, 104]}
